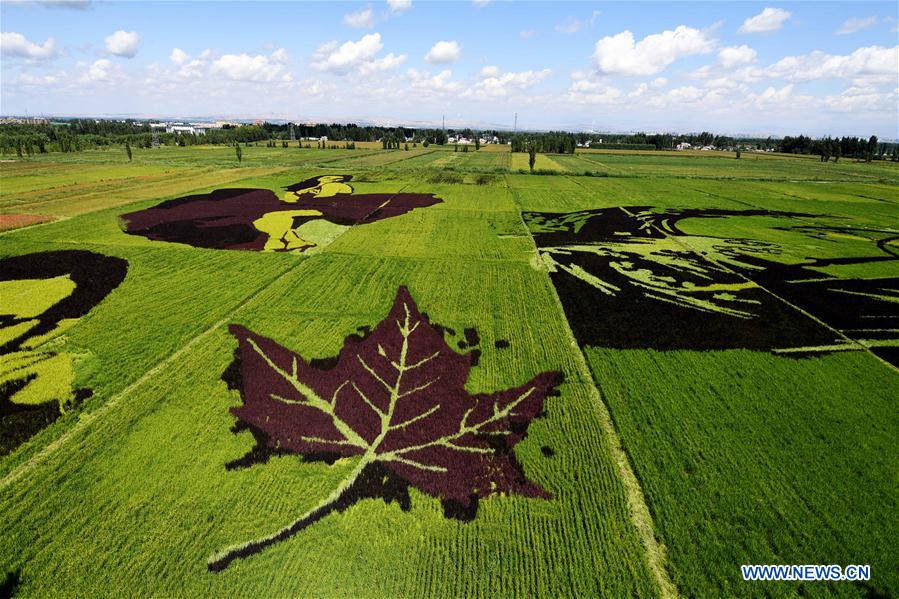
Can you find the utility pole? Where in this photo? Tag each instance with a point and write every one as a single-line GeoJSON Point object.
{"type": "Point", "coordinates": [515, 128]}
{"type": "Point", "coordinates": [444, 123]}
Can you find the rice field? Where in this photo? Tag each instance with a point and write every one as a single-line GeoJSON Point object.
{"type": "Point", "coordinates": [682, 365]}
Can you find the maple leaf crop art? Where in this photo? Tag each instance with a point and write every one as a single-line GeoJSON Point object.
{"type": "Point", "coordinates": [394, 401]}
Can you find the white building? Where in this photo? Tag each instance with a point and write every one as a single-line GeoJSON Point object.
{"type": "Point", "coordinates": [684, 146]}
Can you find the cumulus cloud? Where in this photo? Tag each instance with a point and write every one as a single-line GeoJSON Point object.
{"type": "Point", "coordinates": [178, 56]}
{"type": "Point", "coordinates": [736, 55]}
{"type": "Point", "coordinates": [494, 83]}
{"type": "Point", "coordinates": [444, 52]}
{"type": "Point", "coordinates": [361, 19]}
{"type": "Point", "coordinates": [259, 68]}
{"type": "Point", "coordinates": [343, 58]}
{"type": "Point", "coordinates": [856, 24]}
{"type": "Point", "coordinates": [398, 6]}
{"type": "Point", "coordinates": [123, 43]}
{"type": "Point", "coordinates": [387, 63]}
{"type": "Point", "coordinates": [100, 70]}
{"type": "Point", "coordinates": [873, 63]}
{"type": "Point", "coordinates": [589, 91]}
{"type": "Point", "coordinates": [861, 99]}
{"type": "Point", "coordinates": [770, 19]}
{"type": "Point", "coordinates": [16, 45]}
{"type": "Point", "coordinates": [425, 84]}
{"type": "Point", "coordinates": [620, 54]}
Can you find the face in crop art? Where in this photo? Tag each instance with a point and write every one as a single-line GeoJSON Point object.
{"type": "Point", "coordinates": [633, 277]}
{"type": "Point", "coordinates": [41, 297]}
{"type": "Point", "coordinates": [308, 216]}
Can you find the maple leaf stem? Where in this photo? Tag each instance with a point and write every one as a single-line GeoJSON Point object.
{"type": "Point", "coordinates": [222, 559]}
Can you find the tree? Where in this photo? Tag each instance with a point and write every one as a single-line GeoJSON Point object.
{"type": "Point", "coordinates": [239, 152]}
{"type": "Point", "coordinates": [837, 151]}
{"type": "Point", "coordinates": [128, 150]}
{"type": "Point", "coordinates": [870, 148]}
{"type": "Point", "coordinates": [477, 141]}
{"type": "Point", "coordinates": [738, 153]}
{"type": "Point", "coordinates": [532, 155]}
{"type": "Point", "coordinates": [407, 147]}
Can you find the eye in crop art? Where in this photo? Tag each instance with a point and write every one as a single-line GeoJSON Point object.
{"type": "Point", "coordinates": [41, 296]}
{"type": "Point", "coordinates": [394, 401]}
{"type": "Point", "coordinates": [630, 277]}
{"type": "Point", "coordinates": [309, 215]}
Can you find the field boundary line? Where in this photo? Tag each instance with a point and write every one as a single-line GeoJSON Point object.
{"type": "Point", "coordinates": [641, 518]}
{"type": "Point", "coordinates": [85, 419]}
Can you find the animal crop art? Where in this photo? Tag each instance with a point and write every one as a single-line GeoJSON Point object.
{"type": "Point", "coordinates": [631, 277]}
{"type": "Point", "coordinates": [41, 296]}
{"type": "Point", "coordinates": [394, 402]}
{"type": "Point", "coordinates": [308, 216]}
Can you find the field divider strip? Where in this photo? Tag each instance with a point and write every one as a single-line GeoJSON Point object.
{"type": "Point", "coordinates": [641, 518]}
{"type": "Point", "coordinates": [85, 419]}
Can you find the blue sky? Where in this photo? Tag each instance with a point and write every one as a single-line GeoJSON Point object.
{"type": "Point", "coordinates": [734, 67]}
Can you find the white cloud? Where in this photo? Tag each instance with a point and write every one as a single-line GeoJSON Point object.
{"type": "Point", "coordinates": [658, 82]}
{"type": "Point", "coordinates": [770, 19]}
{"type": "Point", "coordinates": [17, 45]}
{"type": "Point", "coordinates": [856, 24]}
{"type": "Point", "coordinates": [280, 56]}
{"type": "Point", "coordinates": [494, 83]}
{"type": "Point", "coordinates": [861, 99]}
{"type": "Point", "coordinates": [527, 34]}
{"type": "Point", "coordinates": [26, 79]}
{"type": "Point", "coordinates": [361, 19]}
{"type": "Point", "coordinates": [259, 68]}
{"type": "Point", "coordinates": [100, 70]}
{"type": "Point", "coordinates": [423, 83]}
{"type": "Point", "coordinates": [444, 52]}
{"type": "Point", "coordinates": [736, 55]}
{"type": "Point", "coordinates": [619, 54]}
{"type": "Point", "coordinates": [123, 43]}
{"type": "Point", "coordinates": [480, 3]}
{"type": "Point", "coordinates": [572, 25]}
{"type": "Point", "coordinates": [872, 63]}
{"type": "Point", "coordinates": [387, 63]}
{"type": "Point", "coordinates": [588, 91]}
{"type": "Point", "coordinates": [349, 56]}
{"type": "Point", "coordinates": [178, 56]}
{"type": "Point", "coordinates": [398, 6]}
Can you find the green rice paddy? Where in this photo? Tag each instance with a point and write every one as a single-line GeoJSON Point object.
{"type": "Point", "coordinates": [668, 468]}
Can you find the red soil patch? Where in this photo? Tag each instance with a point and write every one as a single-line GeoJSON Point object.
{"type": "Point", "coordinates": [16, 221]}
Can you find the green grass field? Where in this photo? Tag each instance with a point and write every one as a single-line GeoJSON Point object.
{"type": "Point", "coordinates": [726, 330]}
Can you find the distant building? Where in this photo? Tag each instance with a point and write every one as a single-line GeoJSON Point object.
{"type": "Point", "coordinates": [185, 129]}
{"type": "Point", "coordinates": [16, 120]}
{"type": "Point", "coordinates": [684, 146]}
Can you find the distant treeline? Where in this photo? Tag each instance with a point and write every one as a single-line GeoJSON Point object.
{"type": "Point", "coordinates": [837, 147]}
{"type": "Point", "coordinates": [80, 134]}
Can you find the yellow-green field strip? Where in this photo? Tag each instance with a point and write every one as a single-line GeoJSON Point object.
{"type": "Point", "coordinates": [636, 500]}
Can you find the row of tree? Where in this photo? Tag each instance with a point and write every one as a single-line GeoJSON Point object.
{"type": "Point", "coordinates": [837, 147]}
{"type": "Point", "coordinates": [79, 134]}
